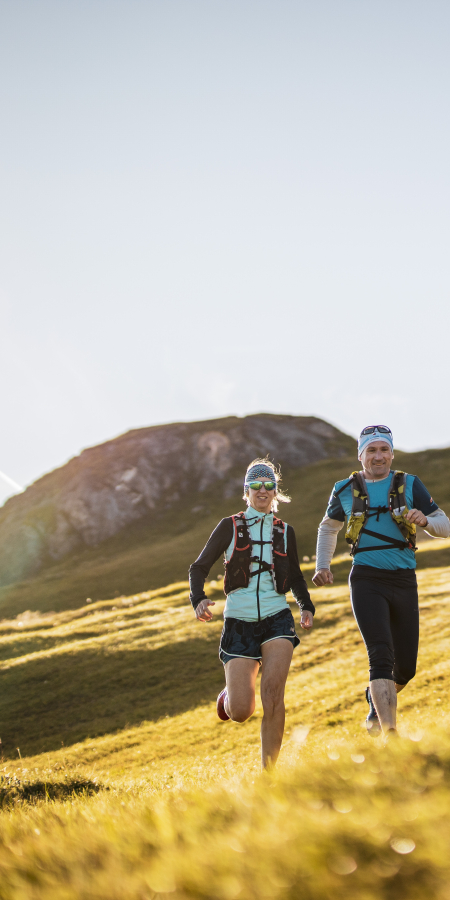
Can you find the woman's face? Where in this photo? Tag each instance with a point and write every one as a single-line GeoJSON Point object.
{"type": "Point", "coordinates": [261, 499]}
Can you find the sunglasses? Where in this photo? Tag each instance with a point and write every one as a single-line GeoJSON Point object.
{"type": "Point", "coordinates": [257, 485]}
{"type": "Point", "coordinates": [371, 429]}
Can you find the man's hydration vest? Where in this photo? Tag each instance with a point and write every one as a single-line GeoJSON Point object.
{"type": "Point", "coordinates": [361, 512]}
{"type": "Point", "coordinates": [237, 568]}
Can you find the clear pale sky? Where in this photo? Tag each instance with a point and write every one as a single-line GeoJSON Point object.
{"type": "Point", "coordinates": [213, 208]}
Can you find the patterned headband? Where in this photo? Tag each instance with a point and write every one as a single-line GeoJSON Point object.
{"type": "Point", "coordinates": [259, 471]}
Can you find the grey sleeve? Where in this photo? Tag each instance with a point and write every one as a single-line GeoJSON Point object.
{"type": "Point", "coordinates": [438, 524]}
{"type": "Point", "coordinates": [326, 542]}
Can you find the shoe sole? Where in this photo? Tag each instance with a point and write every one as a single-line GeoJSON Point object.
{"type": "Point", "coordinates": [220, 707]}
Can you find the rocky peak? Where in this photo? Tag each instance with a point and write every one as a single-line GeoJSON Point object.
{"type": "Point", "coordinates": [141, 473]}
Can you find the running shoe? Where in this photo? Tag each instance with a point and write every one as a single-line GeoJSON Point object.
{"type": "Point", "coordinates": [372, 721]}
{"type": "Point", "coordinates": [221, 706]}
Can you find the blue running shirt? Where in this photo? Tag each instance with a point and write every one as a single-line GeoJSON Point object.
{"type": "Point", "coordinates": [417, 497]}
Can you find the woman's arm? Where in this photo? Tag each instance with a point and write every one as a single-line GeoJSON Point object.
{"type": "Point", "coordinates": [199, 570]}
{"type": "Point", "coordinates": [298, 583]}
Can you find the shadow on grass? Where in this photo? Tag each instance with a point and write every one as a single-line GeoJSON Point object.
{"type": "Point", "coordinates": [14, 791]}
{"type": "Point", "coordinates": [68, 697]}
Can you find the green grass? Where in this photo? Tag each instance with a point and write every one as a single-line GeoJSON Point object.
{"type": "Point", "coordinates": [146, 555]}
{"type": "Point", "coordinates": [365, 823]}
{"type": "Point", "coordinates": [118, 780]}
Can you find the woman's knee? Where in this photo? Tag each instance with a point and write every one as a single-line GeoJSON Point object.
{"type": "Point", "coordinates": [241, 709]}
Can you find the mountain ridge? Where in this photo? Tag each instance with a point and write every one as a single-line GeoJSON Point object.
{"type": "Point", "coordinates": [143, 473]}
{"type": "Point", "coordinates": [154, 550]}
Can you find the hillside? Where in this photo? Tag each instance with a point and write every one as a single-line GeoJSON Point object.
{"type": "Point", "coordinates": [125, 773]}
{"type": "Point", "coordinates": [146, 554]}
{"type": "Point", "coordinates": [139, 477]}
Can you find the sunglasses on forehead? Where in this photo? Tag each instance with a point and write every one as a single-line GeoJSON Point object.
{"type": "Point", "coordinates": [371, 429]}
{"type": "Point", "coordinates": [257, 485]}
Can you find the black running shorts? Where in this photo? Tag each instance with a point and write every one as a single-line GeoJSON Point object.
{"type": "Point", "coordinates": [245, 639]}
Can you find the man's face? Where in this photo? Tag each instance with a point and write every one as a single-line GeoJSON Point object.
{"type": "Point", "coordinates": [377, 459]}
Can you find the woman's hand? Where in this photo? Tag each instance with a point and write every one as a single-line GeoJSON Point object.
{"type": "Point", "coordinates": [307, 620]}
{"type": "Point", "coordinates": [202, 612]}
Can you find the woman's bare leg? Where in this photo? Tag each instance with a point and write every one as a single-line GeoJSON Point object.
{"type": "Point", "coordinates": [276, 659]}
{"type": "Point", "coordinates": [240, 674]}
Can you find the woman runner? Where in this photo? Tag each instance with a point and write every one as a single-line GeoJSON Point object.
{"type": "Point", "coordinates": [261, 565]}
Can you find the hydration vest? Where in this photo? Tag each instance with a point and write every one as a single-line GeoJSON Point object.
{"type": "Point", "coordinates": [237, 568]}
{"type": "Point", "coordinates": [361, 512]}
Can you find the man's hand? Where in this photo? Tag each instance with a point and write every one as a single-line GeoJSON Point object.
{"type": "Point", "coordinates": [414, 515]}
{"type": "Point", "coordinates": [322, 577]}
{"type": "Point", "coordinates": [202, 612]}
{"type": "Point", "coordinates": [307, 620]}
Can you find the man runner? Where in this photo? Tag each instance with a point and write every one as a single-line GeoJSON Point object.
{"type": "Point", "coordinates": [383, 509]}
{"type": "Point", "coordinates": [261, 565]}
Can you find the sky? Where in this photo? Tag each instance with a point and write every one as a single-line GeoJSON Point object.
{"type": "Point", "coordinates": [214, 208]}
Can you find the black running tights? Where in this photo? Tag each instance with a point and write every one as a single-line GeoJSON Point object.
{"type": "Point", "coordinates": [386, 607]}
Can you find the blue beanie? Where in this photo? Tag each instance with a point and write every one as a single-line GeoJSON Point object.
{"type": "Point", "coordinates": [366, 439]}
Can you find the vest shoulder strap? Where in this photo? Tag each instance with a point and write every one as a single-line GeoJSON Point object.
{"type": "Point", "coordinates": [278, 523]}
{"type": "Point", "coordinates": [398, 479]}
{"type": "Point", "coordinates": [241, 535]}
{"type": "Point", "coordinates": [351, 478]}
{"type": "Point", "coordinates": [359, 495]}
{"type": "Point", "coordinates": [397, 490]}
{"type": "Point", "coordinates": [358, 480]}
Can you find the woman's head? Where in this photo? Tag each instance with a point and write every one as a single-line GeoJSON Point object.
{"type": "Point", "coordinates": [262, 486]}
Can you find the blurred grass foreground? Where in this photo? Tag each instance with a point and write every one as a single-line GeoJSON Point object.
{"type": "Point", "coordinates": [118, 780]}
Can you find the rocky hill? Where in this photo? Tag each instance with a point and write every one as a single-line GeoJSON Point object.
{"type": "Point", "coordinates": [141, 475]}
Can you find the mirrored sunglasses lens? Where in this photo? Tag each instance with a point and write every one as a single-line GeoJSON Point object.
{"type": "Point", "coordinates": [254, 485]}
{"type": "Point", "coordinates": [270, 485]}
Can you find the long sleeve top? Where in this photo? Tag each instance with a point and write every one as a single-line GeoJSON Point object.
{"type": "Point", "coordinates": [242, 603]}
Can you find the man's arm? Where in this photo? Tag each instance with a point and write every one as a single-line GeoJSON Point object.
{"type": "Point", "coordinates": [426, 512]}
{"type": "Point", "coordinates": [438, 524]}
{"type": "Point", "coordinates": [329, 529]}
{"type": "Point", "coordinates": [326, 545]}
{"type": "Point", "coordinates": [199, 570]}
{"type": "Point", "coordinates": [299, 587]}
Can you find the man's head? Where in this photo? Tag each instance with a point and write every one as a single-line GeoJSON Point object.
{"type": "Point", "coordinates": [376, 450]}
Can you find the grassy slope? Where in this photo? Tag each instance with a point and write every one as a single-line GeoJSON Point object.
{"type": "Point", "coordinates": [123, 698]}
{"type": "Point", "coordinates": [142, 557]}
